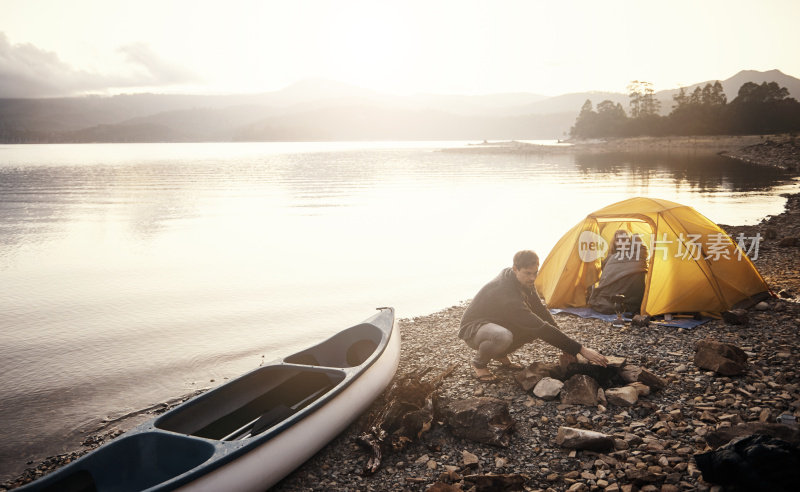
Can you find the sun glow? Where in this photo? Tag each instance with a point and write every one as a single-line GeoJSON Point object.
{"type": "Point", "coordinates": [406, 47]}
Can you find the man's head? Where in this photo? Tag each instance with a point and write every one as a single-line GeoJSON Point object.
{"type": "Point", "coordinates": [526, 267]}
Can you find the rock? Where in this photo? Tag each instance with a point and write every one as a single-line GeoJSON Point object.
{"type": "Point", "coordinates": [468, 459]}
{"type": "Point", "coordinates": [723, 358]}
{"type": "Point", "coordinates": [723, 436]}
{"type": "Point", "coordinates": [616, 362]}
{"type": "Point", "coordinates": [572, 438]}
{"type": "Point", "coordinates": [631, 374]}
{"type": "Point", "coordinates": [755, 462]}
{"type": "Point", "coordinates": [580, 389]}
{"type": "Point", "coordinates": [601, 400]}
{"type": "Point", "coordinates": [640, 476]}
{"type": "Point", "coordinates": [640, 321]}
{"type": "Point", "coordinates": [548, 388]}
{"type": "Point", "coordinates": [761, 306]}
{"type": "Point", "coordinates": [632, 439]}
{"type": "Point", "coordinates": [736, 317]}
{"type": "Point", "coordinates": [656, 383]}
{"type": "Point", "coordinates": [481, 419]}
{"type": "Point", "coordinates": [492, 482]}
{"type": "Point", "coordinates": [622, 397]}
{"type": "Point", "coordinates": [641, 388]}
{"type": "Point", "coordinates": [531, 375]}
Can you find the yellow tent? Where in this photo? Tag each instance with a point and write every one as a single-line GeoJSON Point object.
{"type": "Point", "coordinates": [693, 265]}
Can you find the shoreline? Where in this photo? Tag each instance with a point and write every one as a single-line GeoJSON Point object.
{"type": "Point", "coordinates": [533, 452]}
{"type": "Point", "coordinates": [780, 150]}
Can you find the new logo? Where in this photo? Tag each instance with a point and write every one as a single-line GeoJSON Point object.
{"type": "Point", "coordinates": [591, 246]}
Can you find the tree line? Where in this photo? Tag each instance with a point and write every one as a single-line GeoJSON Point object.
{"type": "Point", "coordinates": [756, 110]}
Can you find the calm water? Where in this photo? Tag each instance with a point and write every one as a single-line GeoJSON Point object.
{"type": "Point", "coordinates": [131, 274]}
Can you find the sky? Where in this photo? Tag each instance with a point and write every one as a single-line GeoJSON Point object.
{"type": "Point", "coordinates": [59, 48]}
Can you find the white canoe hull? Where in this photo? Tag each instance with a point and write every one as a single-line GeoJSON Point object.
{"type": "Point", "coordinates": [265, 466]}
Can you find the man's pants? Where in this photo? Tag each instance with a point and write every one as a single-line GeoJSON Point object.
{"type": "Point", "coordinates": [491, 342]}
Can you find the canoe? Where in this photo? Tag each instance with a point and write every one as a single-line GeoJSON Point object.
{"type": "Point", "coordinates": [252, 431]}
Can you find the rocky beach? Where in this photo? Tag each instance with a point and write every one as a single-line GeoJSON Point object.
{"type": "Point", "coordinates": [650, 439]}
{"type": "Point", "coordinates": [654, 439]}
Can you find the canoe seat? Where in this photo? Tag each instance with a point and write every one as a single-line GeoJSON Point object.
{"type": "Point", "coordinates": [359, 352]}
{"type": "Point", "coordinates": [132, 463]}
{"type": "Point", "coordinates": [349, 348]}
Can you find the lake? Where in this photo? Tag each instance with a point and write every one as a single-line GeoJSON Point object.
{"type": "Point", "coordinates": [132, 274]}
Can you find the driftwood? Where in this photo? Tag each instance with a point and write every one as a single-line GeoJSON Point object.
{"type": "Point", "coordinates": [407, 413]}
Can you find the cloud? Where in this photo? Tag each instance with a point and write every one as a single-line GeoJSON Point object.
{"type": "Point", "coordinates": [156, 69]}
{"type": "Point", "coordinates": [28, 71]}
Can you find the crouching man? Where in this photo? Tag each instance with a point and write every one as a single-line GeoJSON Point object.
{"type": "Point", "coordinates": [507, 313]}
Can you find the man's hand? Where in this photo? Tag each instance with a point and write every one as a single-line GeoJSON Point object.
{"type": "Point", "coordinates": [594, 356]}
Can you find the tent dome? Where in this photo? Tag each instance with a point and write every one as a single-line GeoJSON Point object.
{"type": "Point", "coordinates": [693, 265]}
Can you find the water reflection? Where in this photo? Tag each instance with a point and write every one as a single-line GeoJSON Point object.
{"type": "Point", "coordinates": [700, 172]}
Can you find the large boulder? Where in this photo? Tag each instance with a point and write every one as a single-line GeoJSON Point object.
{"type": "Point", "coordinates": [722, 436]}
{"type": "Point", "coordinates": [484, 420]}
{"type": "Point", "coordinates": [755, 462]}
{"type": "Point", "coordinates": [723, 358]}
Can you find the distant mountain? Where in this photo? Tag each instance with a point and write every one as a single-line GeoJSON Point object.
{"type": "Point", "coordinates": [316, 109]}
{"type": "Point", "coordinates": [731, 85]}
{"type": "Point", "coordinates": [572, 102]}
{"type": "Point", "coordinates": [484, 105]}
